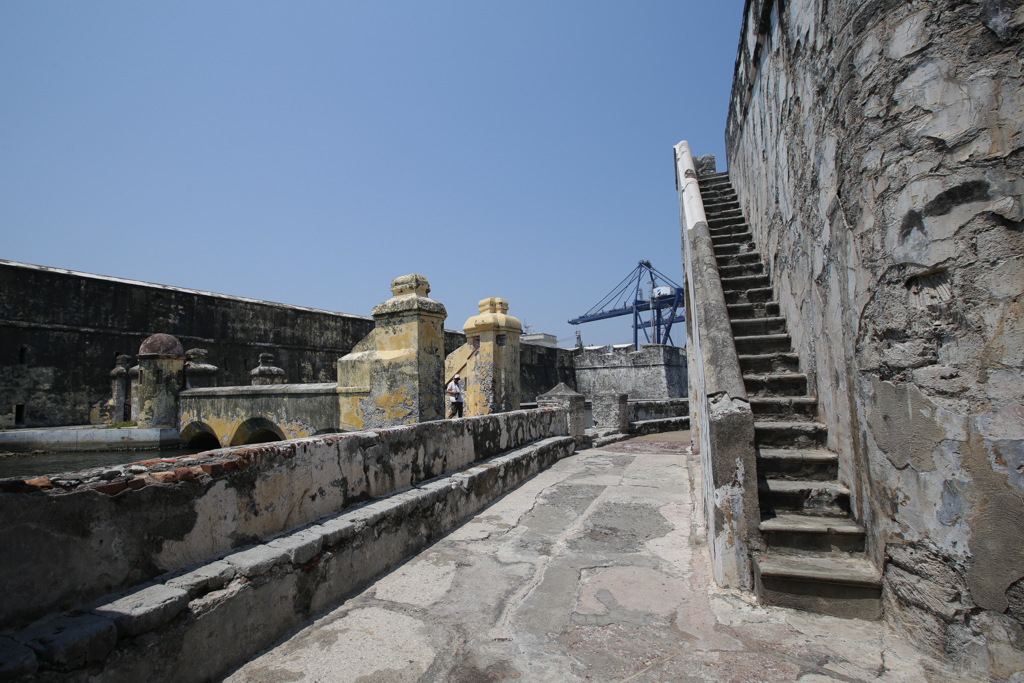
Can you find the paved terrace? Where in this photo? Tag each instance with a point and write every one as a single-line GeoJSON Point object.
{"type": "Point", "coordinates": [595, 570]}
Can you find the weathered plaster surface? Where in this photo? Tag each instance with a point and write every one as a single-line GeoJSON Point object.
{"type": "Point", "coordinates": [489, 361]}
{"type": "Point", "coordinates": [878, 153]}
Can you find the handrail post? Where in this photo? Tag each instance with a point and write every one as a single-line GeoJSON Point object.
{"type": "Point", "coordinates": [722, 424]}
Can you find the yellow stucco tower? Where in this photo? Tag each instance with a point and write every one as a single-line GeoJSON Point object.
{"type": "Point", "coordinates": [489, 361]}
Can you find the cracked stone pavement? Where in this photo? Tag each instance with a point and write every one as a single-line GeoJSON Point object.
{"type": "Point", "coordinates": [595, 570]}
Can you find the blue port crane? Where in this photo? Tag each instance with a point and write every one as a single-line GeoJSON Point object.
{"type": "Point", "coordinates": [654, 309]}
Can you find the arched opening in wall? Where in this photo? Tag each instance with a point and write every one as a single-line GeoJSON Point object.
{"type": "Point", "coordinates": [23, 356]}
{"type": "Point", "coordinates": [256, 430]}
{"type": "Point", "coordinates": [200, 435]}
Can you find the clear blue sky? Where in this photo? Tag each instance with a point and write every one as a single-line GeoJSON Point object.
{"type": "Point", "coordinates": [309, 152]}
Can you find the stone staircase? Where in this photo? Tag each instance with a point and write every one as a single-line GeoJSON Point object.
{"type": "Point", "coordinates": [812, 549]}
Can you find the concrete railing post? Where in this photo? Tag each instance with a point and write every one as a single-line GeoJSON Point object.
{"type": "Point", "coordinates": [722, 424]}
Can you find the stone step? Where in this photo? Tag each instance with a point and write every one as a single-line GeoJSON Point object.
{"type": "Point", "coordinates": [813, 464]}
{"type": "Point", "coordinates": [789, 531]}
{"type": "Point", "coordinates": [737, 259]}
{"type": "Point", "coordinates": [761, 309]}
{"type": "Point", "coordinates": [783, 434]}
{"type": "Point", "coordinates": [733, 228]}
{"type": "Point", "coordinates": [741, 270]}
{"type": "Point", "coordinates": [769, 362]}
{"type": "Point", "coordinates": [734, 248]}
{"type": "Point", "coordinates": [718, 196]}
{"type": "Point", "coordinates": [808, 496]}
{"type": "Point", "coordinates": [783, 408]}
{"type": "Point", "coordinates": [745, 282]}
{"type": "Point", "coordinates": [746, 327]}
{"type": "Point", "coordinates": [837, 584]}
{"type": "Point", "coordinates": [722, 215]}
{"type": "Point", "coordinates": [776, 384]}
{"type": "Point", "coordinates": [725, 219]}
{"type": "Point", "coordinates": [763, 343]}
{"type": "Point", "coordinates": [715, 204]}
{"type": "Point", "coordinates": [750, 296]}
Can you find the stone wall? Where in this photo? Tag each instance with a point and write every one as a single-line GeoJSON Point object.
{"type": "Point", "coordinates": [60, 332]}
{"type": "Point", "coordinates": [877, 149]}
{"type": "Point", "coordinates": [655, 371]}
{"type": "Point", "coordinates": [75, 537]}
{"type": "Point", "coordinates": [542, 368]}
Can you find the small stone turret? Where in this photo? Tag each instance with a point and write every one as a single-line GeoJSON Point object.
{"type": "Point", "coordinates": [198, 372]}
{"type": "Point", "coordinates": [266, 372]}
{"type": "Point", "coordinates": [161, 377]}
{"type": "Point", "coordinates": [489, 361]}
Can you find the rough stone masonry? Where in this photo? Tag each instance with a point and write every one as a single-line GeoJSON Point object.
{"type": "Point", "coordinates": [877, 149]}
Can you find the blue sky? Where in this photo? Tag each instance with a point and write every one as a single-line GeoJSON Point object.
{"type": "Point", "coordinates": [309, 152]}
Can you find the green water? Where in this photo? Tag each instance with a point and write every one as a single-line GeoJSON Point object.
{"type": "Point", "coordinates": [25, 465]}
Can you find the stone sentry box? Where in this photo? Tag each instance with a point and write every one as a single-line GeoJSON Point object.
{"type": "Point", "coordinates": [656, 371]}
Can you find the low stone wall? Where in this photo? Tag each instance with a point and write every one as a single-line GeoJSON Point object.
{"type": "Point", "coordinates": [73, 538]}
{"type": "Point", "coordinates": [658, 410]}
{"type": "Point", "coordinates": [655, 371]}
{"type": "Point", "coordinates": [200, 624]}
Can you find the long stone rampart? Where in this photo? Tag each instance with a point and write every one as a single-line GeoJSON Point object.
{"type": "Point", "coordinates": [72, 538]}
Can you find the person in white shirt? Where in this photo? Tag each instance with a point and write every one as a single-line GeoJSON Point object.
{"type": "Point", "coordinates": [454, 392]}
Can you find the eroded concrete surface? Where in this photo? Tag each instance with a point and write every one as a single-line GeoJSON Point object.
{"type": "Point", "coordinates": [595, 570]}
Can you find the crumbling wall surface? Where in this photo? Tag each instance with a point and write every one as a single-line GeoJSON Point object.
{"type": "Point", "coordinates": [61, 331]}
{"type": "Point", "coordinates": [877, 149]}
{"type": "Point", "coordinates": [656, 371]}
{"type": "Point", "coordinates": [71, 538]}
{"type": "Point", "coordinates": [542, 368]}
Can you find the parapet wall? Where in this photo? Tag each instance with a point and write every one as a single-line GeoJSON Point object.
{"type": "Point", "coordinates": [656, 371]}
{"type": "Point", "coordinates": [73, 538]}
{"type": "Point", "coordinates": [877, 149]}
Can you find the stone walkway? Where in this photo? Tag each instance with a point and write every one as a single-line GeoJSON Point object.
{"type": "Point", "coordinates": [595, 570]}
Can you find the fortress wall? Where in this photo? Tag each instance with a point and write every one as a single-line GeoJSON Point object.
{"type": "Point", "coordinates": [541, 368]}
{"type": "Point", "coordinates": [61, 330]}
{"type": "Point", "coordinates": [73, 538]}
{"type": "Point", "coordinates": [877, 149]}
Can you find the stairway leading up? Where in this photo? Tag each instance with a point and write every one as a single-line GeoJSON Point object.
{"type": "Point", "coordinates": [811, 553]}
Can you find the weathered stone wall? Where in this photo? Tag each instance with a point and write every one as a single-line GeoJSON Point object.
{"type": "Point", "coordinates": [655, 371]}
{"type": "Point", "coordinates": [877, 149]}
{"type": "Point", "coordinates": [72, 538]}
{"type": "Point", "coordinates": [60, 333]}
{"type": "Point", "coordinates": [542, 368]}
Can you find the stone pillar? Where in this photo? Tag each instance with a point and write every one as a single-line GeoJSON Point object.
{"type": "Point", "coordinates": [395, 375]}
{"type": "Point", "coordinates": [112, 410]}
{"type": "Point", "coordinates": [611, 411]}
{"type": "Point", "coordinates": [161, 377]}
{"type": "Point", "coordinates": [564, 397]}
{"type": "Point", "coordinates": [491, 368]}
{"type": "Point", "coordinates": [198, 372]}
{"type": "Point", "coordinates": [266, 372]}
{"type": "Point", "coordinates": [133, 393]}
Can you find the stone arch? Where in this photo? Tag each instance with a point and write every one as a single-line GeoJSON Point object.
{"type": "Point", "coordinates": [200, 435]}
{"type": "Point", "coordinates": [256, 430]}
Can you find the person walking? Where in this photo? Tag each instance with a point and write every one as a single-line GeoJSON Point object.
{"type": "Point", "coordinates": [454, 392]}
